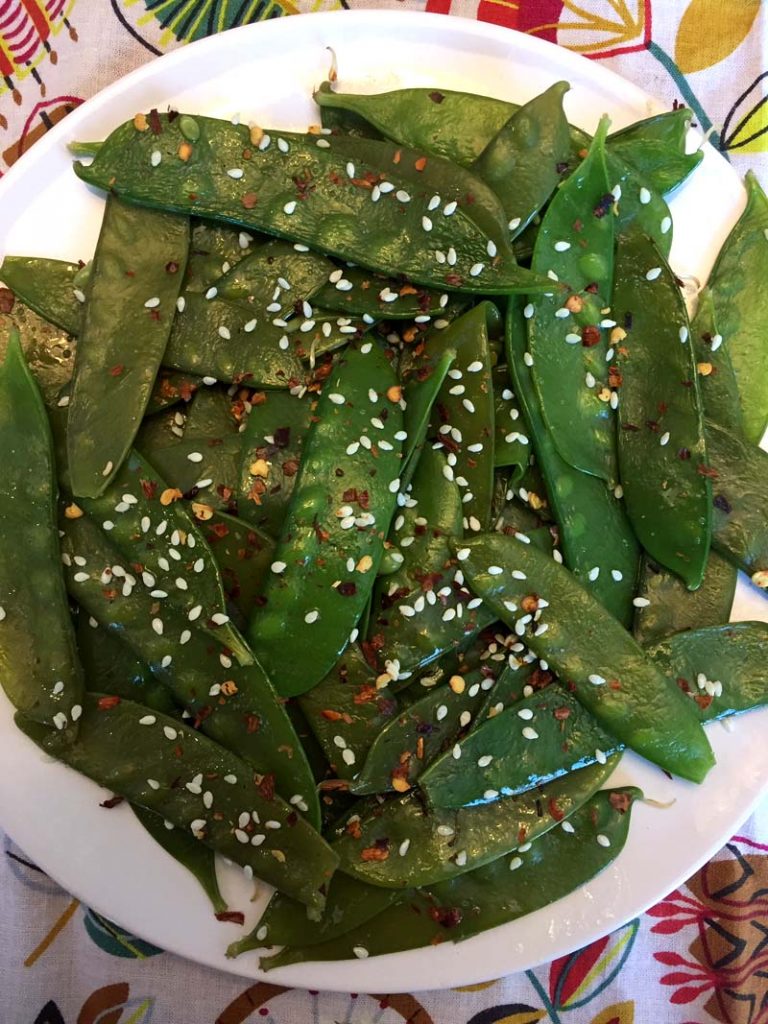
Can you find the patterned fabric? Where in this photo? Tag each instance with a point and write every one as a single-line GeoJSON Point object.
{"type": "Point", "coordinates": [699, 956]}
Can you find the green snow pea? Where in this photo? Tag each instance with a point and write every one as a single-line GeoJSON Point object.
{"type": "Point", "coordinates": [273, 278]}
{"type": "Point", "coordinates": [235, 705]}
{"type": "Point", "coordinates": [243, 555]}
{"type": "Point", "coordinates": [214, 249]}
{"type": "Point", "coordinates": [48, 351]}
{"type": "Point", "coordinates": [721, 667]}
{"type": "Point", "coordinates": [531, 743]}
{"type": "Point", "coordinates": [272, 444]}
{"type": "Point", "coordinates": [741, 311]}
{"type": "Point", "coordinates": [158, 763]}
{"type": "Point", "coordinates": [463, 416]}
{"type": "Point", "coordinates": [524, 161]}
{"type": "Point", "coordinates": [656, 148]}
{"type": "Point", "coordinates": [49, 287]}
{"type": "Point", "coordinates": [44, 681]}
{"type": "Point", "coordinates": [582, 643]}
{"type": "Point", "coordinates": [638, 204]}
{"type": "Point", "coordinates": [399, 843]}
{"type": "Point", "coordinates": [112, 667]}
{"type": "Point", "coordinates": [357, 292]}
{"type": "Point", "coordinates": [673, 607]}
{"type": "Point", "coordinates": [207, 471]}
{"type": "Point", "coordinates": [594, 531]}
{"type": "Point", "coordinates": [285, 922]}
{"type": "Point", "coordinates": [151, 528]}
{"type": "Point", "coordinates": [422, 609]}
{"type": "Point", "coordinates": [740, 531]}
{"type": "Point", "coordinates": [419, 733]}
{"type": "Point", "coordinates": [319, 192]}
{"type": "Point", "coordinates": [718, 386]}
{"type": "Point", "coordinates": [135, 280]}
{"type": "Point", "coordinates": [332, 538]}
{"type": "Point", "coordinates": [565, 339]}
{"type": "Point", "coordinates": [661, 434]}
{"type": "Point", "coordinates": [423, 372]}
{"type": "Point", "coordinates": [512, 446]}
{"type": "Point", "coordinates": [508, 888]}
{"type": "Point", "coordinates": [347, 710]}
{"type": "Point", "coordinates": [198, 859]}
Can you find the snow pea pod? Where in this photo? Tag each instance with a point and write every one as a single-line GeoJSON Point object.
{"type": "Point", "coordinates": [507, 889]}
{"type": "Point", "coordinates": [718, 386]}
{"type": "Point", "coordinates": [272, 444]}
{"type": "Point", "coordinates": [319, 192]}
{"type": "Point", "coordinates": [112, 667]}
{"type": "Point", "coordinates": [199, 860]}
{"type": "Point", "coordinates": [332, 539]}
{"type": "Point", "coordinates": [638, 204]}
{"type": "Point", "coordinates": [531, 743]}
{"type": "Point", "coordinates": [582, 643]}
{"type": "Point", "coordinates": [673, 607]}
{"type": "Point", "coordinates": [358, 292]}
{"type": "Point", "coordinates": [565, 339]}
{"type": "Point", "coordinates": [243, 555]}
{"type": "Point", "coordinates": [150, 527]}
{"type": "Point", "coordinates": [599, 546]}
{"type": "Point", "coordinates": [348, 904]}
{"type": "Point", "coordinates": [740, 532]}
{"type": "Point", "coordinates": [512, 446]}
{"type": "Point", "coordinates": [423, 609]}
{"type": "Point", "coordinates": [412, 740]}
{"type": "Point", "coordinates": [47, 683]}
{"type": "Point", "coordinates": [523, 163]}
{"type": "Point", "coordinates": [214, 249]}
{"type": "Point", "coordinates": [158, 763]}
{"type": "Point", "coordinates": [135, 280]}
{"type": "Point", "coordinates": [347, 710]}
{"type": "Point", "coordinates": [48, 287]}
{"type": "Point", "coordinates": [423, 373]}
{"type": "Point", "coordinates": [274, 278]}
{"type": "Point", "coordinates": [741, 309]}
{"type": "Point", "coordinates": [721, 667]}
{"type": "Point", "coordinates": [656, 148]}
{"type": "Point", "coordinates": [234, 705]}
{"type": "Point", "coordinates": [661, 434]}
{"type": "Point", "coordinates": [399, 843]}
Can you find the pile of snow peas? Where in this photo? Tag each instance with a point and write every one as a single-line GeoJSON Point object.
{"type": "Point", "coordinates": [376, 492]}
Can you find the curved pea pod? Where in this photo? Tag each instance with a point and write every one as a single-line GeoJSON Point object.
{"type": "Point", "coordinates": [661, 432]}
{"type": "Point", "coordinates": [722, 668]}
{"type": "Point", "coordinates": [463, 417]}
{"type": "Point", "coordinates": [170, 388]}
{"type": "Point", "coordinates": [347, 710]}
{"type": "Point", "coordinates": [599, 545]}
{"type": "Point", "coordinates": [741, 310]}
{"type": "Point", "coordinates": [207, 471]}
{"type": "Point", "coordinates": [127, 748]}
{"type": "Point", "coordinates": [332, 538]}
{"type": "Point", "coordinates": [512, 446]}
{"type": "Point", "coordinates": [404, 747]}
{"type": "Point", "coordinates": [423, 609]}
{"type": "Point", "coordinates": [275, 274]}
{"type": "Point", "coordinates": [319, 191]}
{"type": "Point", "coordinates": [531, 743]}
{"type": "Point", "coordinates": [638, 204]}
{"type": "Point", "coordinates": [348, 904]}
{"type": "Point", "coordinates": [235, 705]}
{"type": "Point", "coordinates": [134, 283]}
{"type": "Point", "coordinates": [243, 555]}
{"type": "Point", "coordinates": [358, 292]}
{"type": "Point", "coordinates": [214, 249]}
{"type": "Point", "coordinates": [199, 860]}
{"type": "Point", "coordinates": [507, 889]}
{"type": "Point", "coordinates": [400, 843]}
{"type": "Point", "coordinates": [48, 287]}
{"type": "Point", "coordinates": [45, 683]}
{"type": "Point", "coordinates": [718, 386]}
{"type": "Point", "coordinates": [150, 527]}
{"type": "Point", "coordinates": [112, 667]}
{"type": "Point", "coordinates": [423, 376]}
{"type": "Point", "coordinates": [582, 643]}
{"type": "Point", "coordinates": [656, 148]}
{"type": "Point", "coordinates": [272, 444]}
{"type": "Point", "coordinates": [672, 608]}
{"type": "Point", "coordinates": [739, 474]}
{"type": "Point", "coordinates": [565, 340]}
{"type": "Point", "coordinates": [524, 161]}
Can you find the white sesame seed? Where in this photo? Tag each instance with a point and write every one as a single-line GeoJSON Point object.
{"type": "Point", "coordinates": [426, 223]}
{"type": "Point", "coordinates": [147, 720]}
{"type": "Point", "coordinates": [336, 398]}
{"type": "Point", "coordinates": [683, 334]}
{"type": "Point", "coordinates": [195, 613]}
{"type": "Point", "coordinates": [617, 575]}
{"type": "Point", "coordinates": [596, 679]}
{"type": "Point", "coordinates": [450, 208]}
{"type": "Point", "coordinates": [666, 224]}
{"type": "Point", "coordinates": [212, 292]}
{"type": "Point", "coordinates": [402, 196]}
{"type": "Point", "coordinates": [645, 196]}
{"type": "Point", "coordinates": [528, 359]}
{"type": "Point", "coordinates": [529, 733]}
{"type": "Point", "coordinates": [653, 273]}
{"type": "Point", "coordinates": [476, 269]}
{"type": "Point", "coordinates": [312, 616]}
{"type": "Point", "coordinates": [360, 952]}
{"type": "Point", "coordinates": [593, 573]}
{"type": "Point", "coordinates": [195, 456]}
{"type": "Point", "coordinates": [169, 732]}
{"type": "Point", "coordinates": [664, 439]}
{"type": "Point", "coordinates": [515, 863]}
{"type": "Point", "coordinates": [600, 756]}
{"type": "Point", "coordinates": [155, 158]}
{"type": "Point", "coordinates": [484, 761]}
{"type": "Point", "coordinates": [603, 840]}
{"type": "Point", "coordinates": [79, 295]}
{"type": "Point", "coordinates": [562, 246]}
{"type": "Point", "coordinates": [716, 342]}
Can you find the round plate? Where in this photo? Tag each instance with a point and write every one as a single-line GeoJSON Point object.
{"type": "Point", "coordinates": [266, 73]}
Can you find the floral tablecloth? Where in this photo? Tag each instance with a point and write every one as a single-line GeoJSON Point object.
{"type": "Point", "coordinates": [701, 955]}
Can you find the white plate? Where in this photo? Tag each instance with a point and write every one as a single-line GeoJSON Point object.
{"type": "Point", "coordinates": [266, 74]}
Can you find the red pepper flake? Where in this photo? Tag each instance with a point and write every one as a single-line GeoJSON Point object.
{"type": "Point", "coordinates": [703, 700]}
{"type": "Point", "coordinates": [331, 715]}
{"type": "Point", "coordinates": [615, 379]}
{"type": "Point", "coordinates": [354, 828]}
{"type": "Point", "coordinates": [620, 802]}
{"type": "Point", "coordinates": [113, 801]}
{"type": "Point", "coordinates": [707, 471]}
{"type": "Point", "coordinates": [591, 288]}
{"type": "Point", "coordinates": [521, 834]}
{"type": "Point", "coordinates": [154, 122]}
{"type": "Point", "coordinates": [720, 501]}
{"type": "Point", "coordinates": [604, 204]}
{"type": "Point", "coordinates": [7, 299]}
{"type": "Point", "coordinates": [266, 786]}
{"type": "Point", "coordinates": [252, 723]}
{"type": "Point", "coordinates": [149, 488]}
{"type": "Point", "coordinates": [684, 454]}
{"type": "Point", "coordinates": [171, 267]}
{"type": "Point", "coordinates": [233, 916]}
{"type": "Point", "coordinates": [446, 917]}
{"type": "Point", "coordinates": [220, 530]}
{"type": "Point", "coordinates": [590, 336]}
{"type": "Point", "coordinates": [561, 714]}
{"type": "Point", "coordinates": [421, 163]}
{"type": "Point", "coordinates": [396, 157]}
{"type": "Point", "coordinates": [365, 695]}
{"type": "Point", "coordinates": [282, 436]}
{"type": "Point", "coordinates": [249, 200]}
{"type": "Point", "coordinates": [290, 467]}
{"type": "Point", "coordinates": [117, 371]}
{"type": "Point", "coordinates": [554, 810]}
{"type": "Point", "coordinates": [107, 703]}
{"type": "Point", "coordinates": [375, 853]}
{"type": "Point", "coordinates": [347, 589]}
{"type": "Point", "coordinates": [436, 97]}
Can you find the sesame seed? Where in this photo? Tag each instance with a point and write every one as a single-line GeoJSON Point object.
{"type": "Point", "coordinates": [514, 224]}
{"type": "Point", "coordinates": [441, 712]}
{"type": "Point", "coordinates": [530, 733]}
{"type": "Point", "coordinates": [155, 158]}
{"type": "Point", "coordinates": [185, 637]}
{"type": "Point", "coordinates": [219, 619]}
{"type": "Point", "coordinates": [224, 333]}
{"type": "Point", "coordinates": [666, 224]}
{"type": "Point", "coordinates": [402, 196]}
{"type": "Point", "coordinates": [593, 573]}
{"type": "Point", "coordinates": [495, 570]}
{"type": "Point", "coordinates": [195, 456]}
{"type": "Point", "coordinates": [617, 575]}
{"type": "Point", "coordinates": [157, 626]}
{"type": "Point", "coordinates": [645, 196]}
{"type": "Point", "coordinates": [147, 720]}
{"type": "Point", "coordinates": [484, 761]}
{"type": "Point", "coordinates": [603, 840]}
{"type": "Point", "coordinates": [195, 613]}
{"type": "Point", "coordinates": [600, 756]}
{"type": "Point", "coordinates": [653, 273]}
{"type": "Point", "coordinates": [528, 359]}
{"type": "Point", "coordinates": [562, 246]}
{"type": "Point", "coordinates": [566, 826]}
{"type": "Point", "coordinates": [641, 602]}
{"type": "Point", "coordinates": [683, 334]}
{"type": "Point", "coordinates": [515, 863]}
{"type": "Point", "coordinates": [152, 303]}
{"type": "Point", "coordinates": [360, 952]}
{"type": "Point", "coordinates": [108, 468]}
{"type": "Point", "coordinates": [212, 292]}
{"type": "Point", "coordinates": [518, 575]}
{"type": "Point", "coordinates": [468, 405]}
{"type": "Point", "coordinates": [426, 223]}
{"type": "Point", "coordinates": [450, 208]}
{"type": "Point", "coordinates": [290, 207]}
{"type": "Point", "coordinates": [404, 846]}
{"type": "Point", "coordinates": [573, 339]}
{"type": "Point", "coordinates": [476, 269]}
{"type": "Point", "coordinates": [169, 732]}
{"type": "Point", "coordinates": [312, 616]}
{"type": "Point", "coordinates": [79, 295]}
{"type": "Point", "coordinates": [716, 342]}
{"type": "Point", "coordinates": [336, 398]}
{"type": "Point", "coordinates": [596, 679]}
{"type": "Point", "coordinates": [664, 439]}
